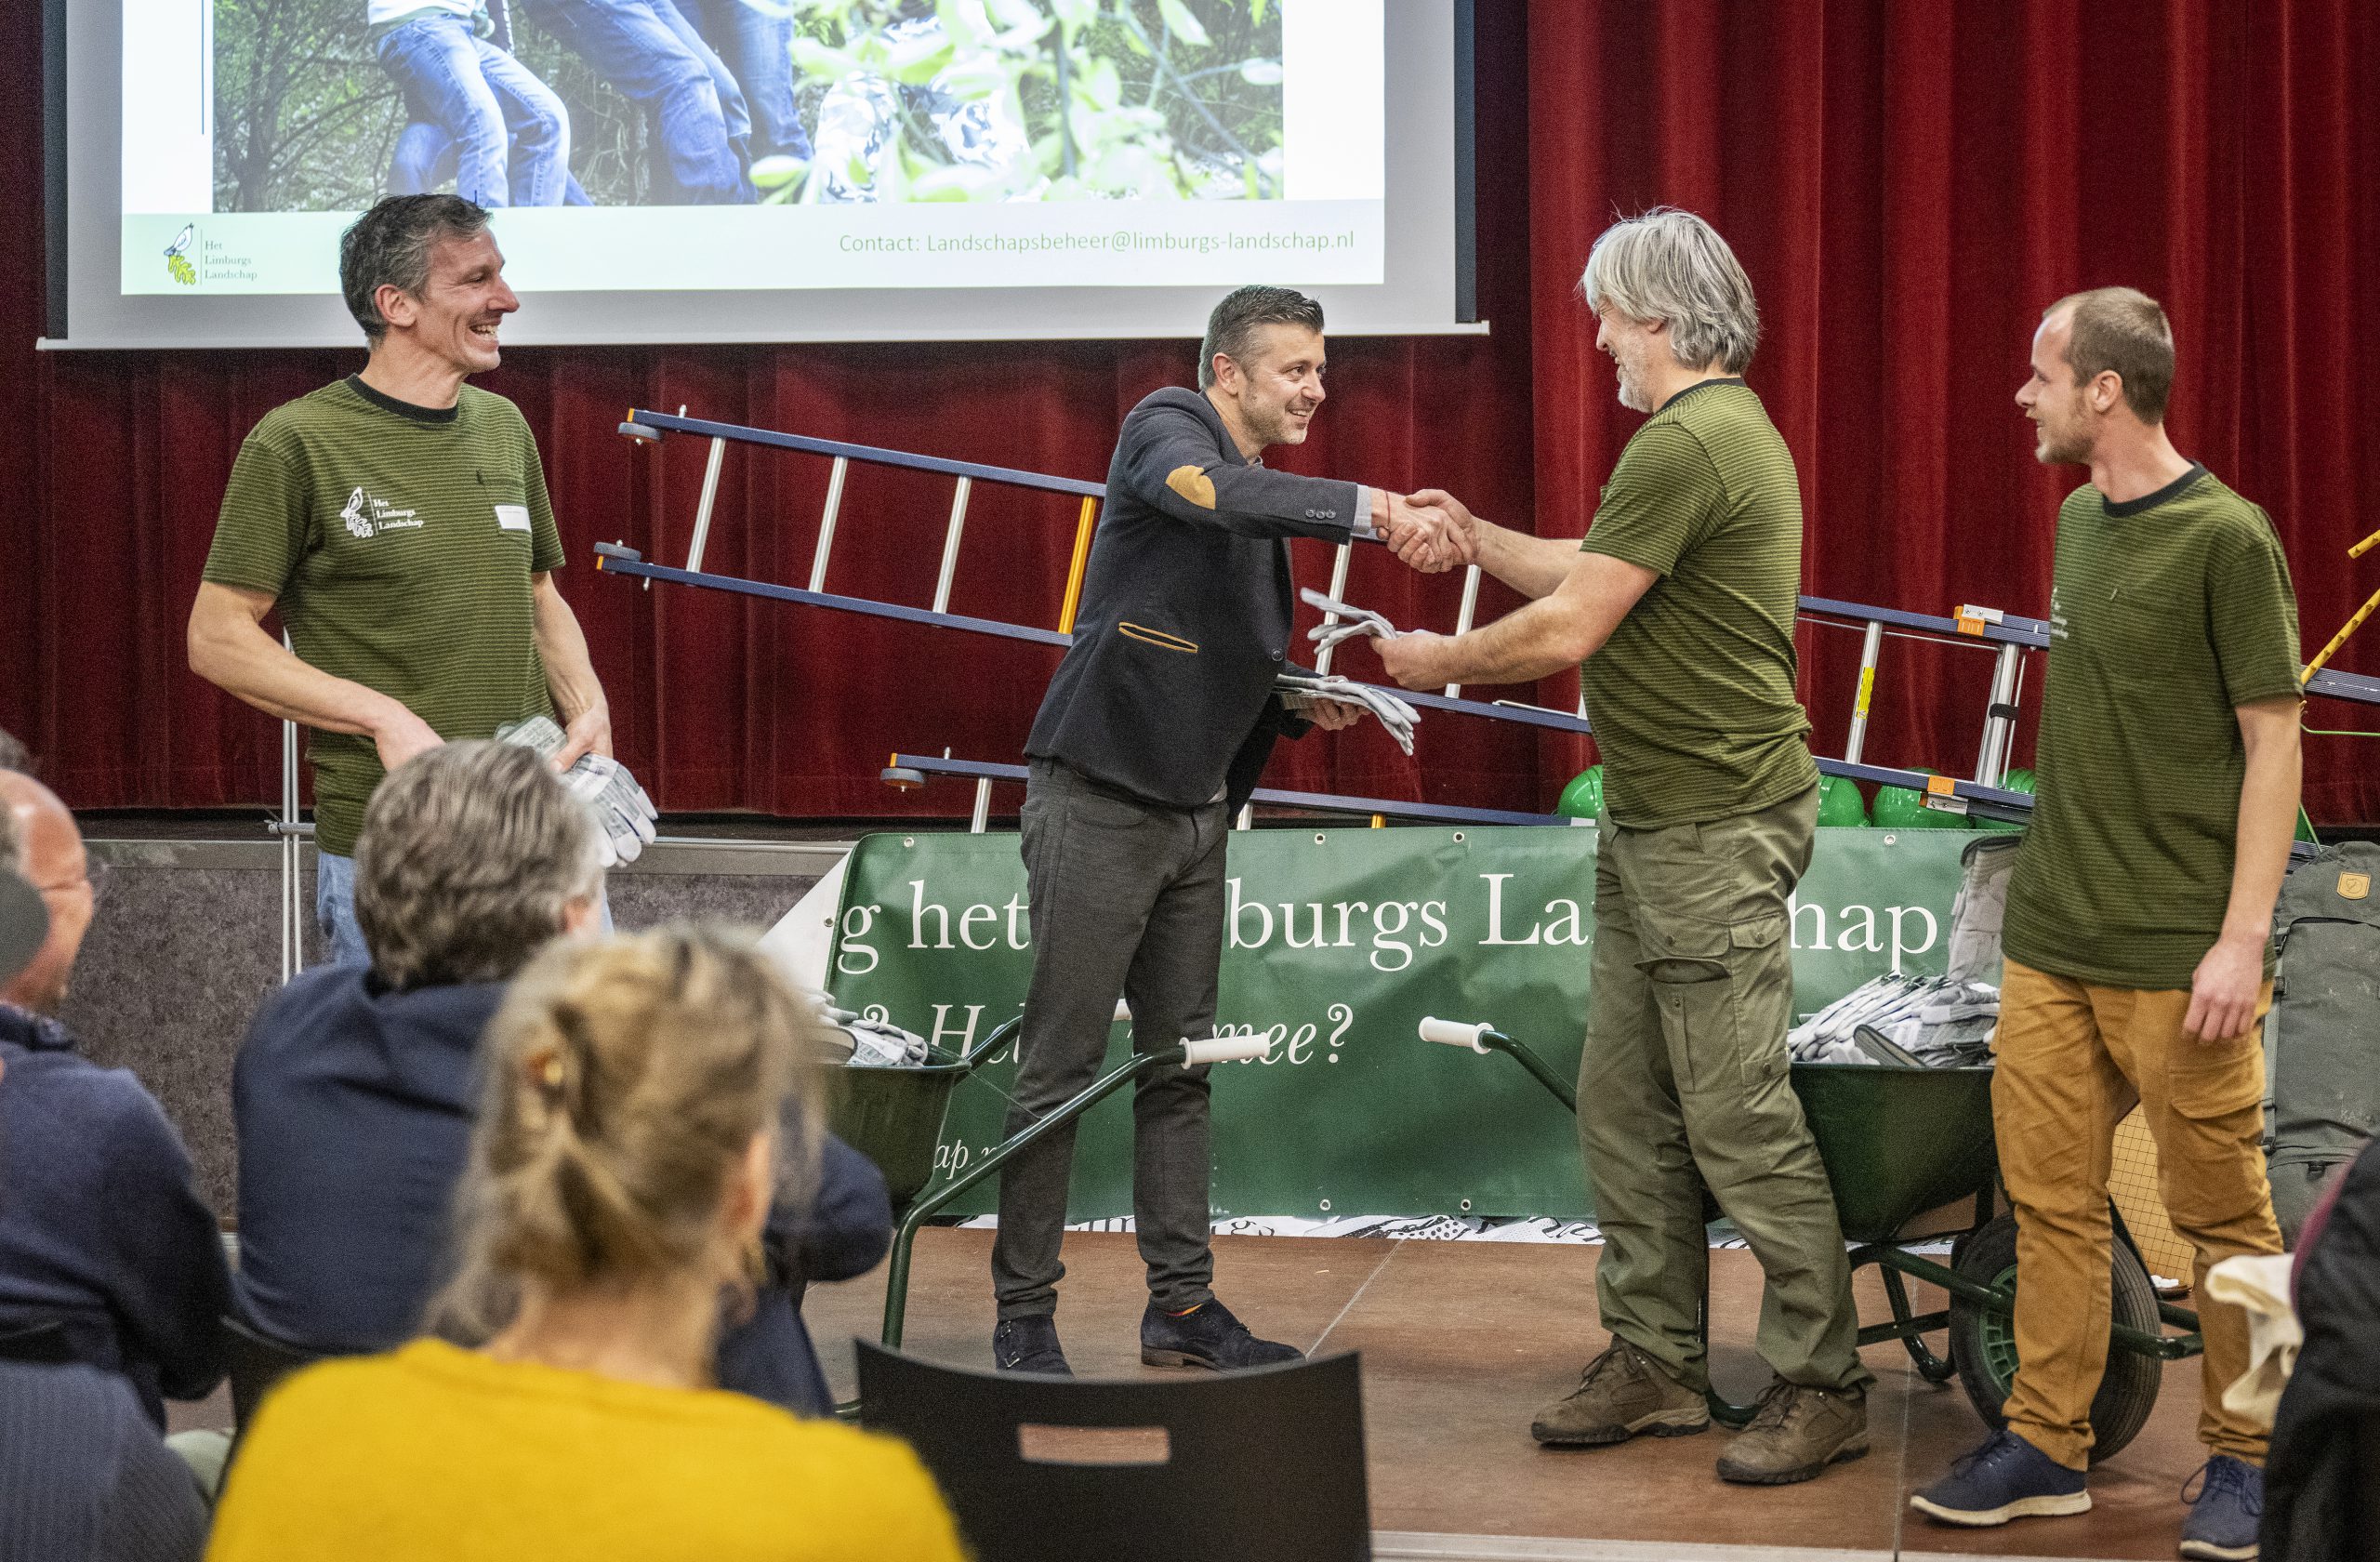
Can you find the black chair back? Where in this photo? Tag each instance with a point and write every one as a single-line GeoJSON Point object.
{"type": "Point", "coordinates": [1259, 1467]}
{"type": "Point", "coordinates": [36, 1344]}
{"type": "Point", "coordinates": [256, 1362]}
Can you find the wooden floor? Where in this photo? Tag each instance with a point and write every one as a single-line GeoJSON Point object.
{"type": "Point", "coordinates": [1461, 1341]}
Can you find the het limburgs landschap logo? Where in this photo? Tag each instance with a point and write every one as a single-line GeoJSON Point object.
{"type": "Point", "coordinates": [367, 516]}
{"type": "Point", "coordinates": [177, 264]}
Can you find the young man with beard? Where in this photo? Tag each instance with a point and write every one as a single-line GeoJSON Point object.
{"type": "Point", "coordinates": [1149, 739]}
{"type": "Point", "coordinates": [398, 521]}
{"type": "Point", "coordinates": [1679, 611]}
{"type": "Point", "coordinates": [2138, 935]}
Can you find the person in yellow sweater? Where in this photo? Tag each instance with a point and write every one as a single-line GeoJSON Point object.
{"type": "Point", "coordinates": [625, 1156]}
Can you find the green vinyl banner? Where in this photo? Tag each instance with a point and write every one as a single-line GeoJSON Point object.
{"type": "Point", "coordinates": [1336, 943]}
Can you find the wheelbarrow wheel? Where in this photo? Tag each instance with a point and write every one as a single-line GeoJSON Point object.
{"type": "Point", "coordinates": [1983, 1339]}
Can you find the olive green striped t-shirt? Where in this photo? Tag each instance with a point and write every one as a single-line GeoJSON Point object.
{"type": "Point", "coordinates": [400, 543]}
{"type": "Point", "coordinates": [1692, 697]}
{"type": "Point", "coordinates": [2167, 614]}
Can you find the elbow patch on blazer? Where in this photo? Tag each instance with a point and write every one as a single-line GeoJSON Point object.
{"type": "Point", "coordinates": [1191, 484]}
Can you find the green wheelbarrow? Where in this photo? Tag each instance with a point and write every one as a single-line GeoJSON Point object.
{"type": "Point", "coordinates": [894, 1116]}
{"type": "Point", "coordinates": [1901, 1143]}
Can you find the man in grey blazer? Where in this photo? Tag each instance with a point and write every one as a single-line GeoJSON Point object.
{"type": "Point", "coordinates": [1150, 738]}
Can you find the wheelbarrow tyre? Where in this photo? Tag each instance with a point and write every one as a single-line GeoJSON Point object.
{"type": "Point", "coordinates": [1983, 1343]}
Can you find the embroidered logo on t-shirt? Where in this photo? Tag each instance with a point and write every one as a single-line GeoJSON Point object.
{"type": "Point", "coordinates": [367, 516]}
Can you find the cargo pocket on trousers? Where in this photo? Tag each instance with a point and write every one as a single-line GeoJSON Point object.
{"type": "Point", "coordinates": [1687, 967]}
{"type": "Point", "coordinates": [2209, 1082]}
{"type": "Point", "coordinates": [1711, 981]}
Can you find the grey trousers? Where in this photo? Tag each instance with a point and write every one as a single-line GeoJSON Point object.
{"type": "Point", "coordinates": [1127, 897]}
{"type": "Point", "coordinates": [1685, 1085]}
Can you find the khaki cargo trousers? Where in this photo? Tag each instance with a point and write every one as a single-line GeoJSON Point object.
{"type": "Point", "coordinates": [1684, 1086]}
{"type": "Point", "coordinates": [2072, 1060]}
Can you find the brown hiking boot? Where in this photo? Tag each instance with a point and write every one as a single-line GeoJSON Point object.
{"type": "Point", "coordinates": [1796, 1432]}
{"type": "Point", "coordinates": [1623, 1392]}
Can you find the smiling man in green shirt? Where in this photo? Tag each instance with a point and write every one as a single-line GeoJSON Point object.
{"type": "Point", "coordinates": [1678, 609]}
{"type": "Point", "coordinates": [398, 519]}
{"type": "Point", "coordinates": [2138, 933]}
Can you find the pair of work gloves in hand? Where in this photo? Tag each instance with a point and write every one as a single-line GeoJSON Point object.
{"type": "Point", "coordinates": [1302, 691]}
{"type": "Point", "coordinates": [623, 815]}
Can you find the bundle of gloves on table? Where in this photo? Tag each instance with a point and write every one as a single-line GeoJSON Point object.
{"type": "Point", "coordinates": [1300, 692]}
{"type": "Point", "coordinates": [623, 815]}
{"type": "Point", "coordinates": [1925, 1022]}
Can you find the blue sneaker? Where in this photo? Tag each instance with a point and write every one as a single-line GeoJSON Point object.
{"type": "Point", "coordinates": [2223, 1516]}
{"type": "Point", "coordinates": [2007, 1477]}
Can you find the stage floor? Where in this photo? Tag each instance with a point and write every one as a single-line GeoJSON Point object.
{"type": "Point", "coordinates": [1461, 1341]}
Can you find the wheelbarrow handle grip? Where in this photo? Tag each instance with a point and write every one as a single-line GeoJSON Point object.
{"type": "Point", "coordinates": [1454, 1032]}
{"type": "Point", "coordinates": [1223, 1049]}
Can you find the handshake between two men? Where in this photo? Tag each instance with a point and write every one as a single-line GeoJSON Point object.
{"type": "Point", "coordinates": [1432, 532]}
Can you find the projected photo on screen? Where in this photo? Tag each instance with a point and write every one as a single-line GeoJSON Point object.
{"type": "Point", "coordinates": [741, 144]}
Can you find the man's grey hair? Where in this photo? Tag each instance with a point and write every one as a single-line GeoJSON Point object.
{"type": "Point", "coordinates": [1670, 265]}
{"type": "Point", "coordinates": [391, 244]}
{"type": "Point", "coordinates": [1231, 329]}
{"type": "Point", "coordinates": [469, 853]}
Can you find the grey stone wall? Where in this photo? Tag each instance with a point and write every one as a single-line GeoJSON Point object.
{"type": "Point", "coordinates": [187, 944]}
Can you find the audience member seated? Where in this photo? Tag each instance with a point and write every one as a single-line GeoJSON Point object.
{"type": "Point", "coordinates": [83, 1474]}
{"type": "Point", "coordinates": [103, 1230]}
{"type": "Point", "coordinates": [354, 1093]}
{"type": "Point", "coordinates": [2326, 1436]}
{"type": "Point", "coordinates": [621, 1173]}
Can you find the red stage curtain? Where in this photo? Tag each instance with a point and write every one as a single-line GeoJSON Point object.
{"type": "Point", "coordinates": [1908, 184]}
{"type": "Point", "coordinates": [719, 702]}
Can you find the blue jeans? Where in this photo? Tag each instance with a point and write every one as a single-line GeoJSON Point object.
{"type": "Point", "coordinates": [758, 47]}
{"type": "Point", "coordinates": [512, 135]}
{"type": "Point", "coordinates": [335, 909]}
{"type": "Point", "coordinates": [425, 160]}
{"type": "Point", "coordinates": [702, 126]}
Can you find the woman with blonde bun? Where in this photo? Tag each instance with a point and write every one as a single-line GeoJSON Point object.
{"type": "Point", "coordinates": [625, 1159]}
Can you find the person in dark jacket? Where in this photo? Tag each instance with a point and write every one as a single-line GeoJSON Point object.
{"type": "Point", "coordinates": [355, 1091]}
{"type": "Point", "coordinates": [102, 1230]}
{"type": "Point", "coordinates": [84, 1476]}
{"type": "Point", "coordinates": [2320, 1473]}
{"type": "Point", "coordinates": [1150, 738]}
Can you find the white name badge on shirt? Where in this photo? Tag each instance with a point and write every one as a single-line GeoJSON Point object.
{"type": "Point", "coordinates": [512, 518]}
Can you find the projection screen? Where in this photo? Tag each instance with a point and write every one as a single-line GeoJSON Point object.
{"type": "Point", "coordinates": [768, 171]}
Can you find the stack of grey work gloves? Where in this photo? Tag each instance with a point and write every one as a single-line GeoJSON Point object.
{"type": "Point", "coordinates": [1300, 692]}
{"type": "Point", "coordinates": [1931, 1022]}
{"type": "Point", "coordinates": [875, 1043]}
{"type": "Point", "coordinates": [1927, 1022]}
{"type": "Point", "coordinates": [623, 815]}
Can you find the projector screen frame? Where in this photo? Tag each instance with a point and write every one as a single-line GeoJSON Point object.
{"type": "Point", "coordinates": [562, 318]}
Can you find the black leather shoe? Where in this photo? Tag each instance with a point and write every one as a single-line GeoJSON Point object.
{"type": "Point", "coordinates": [1209, 1336]}
{"type": "Point", "coordinates": [1030, 1344]}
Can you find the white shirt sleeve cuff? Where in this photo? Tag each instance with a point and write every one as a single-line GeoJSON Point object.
{"type": "Point", "coordinates": [1362, 524]}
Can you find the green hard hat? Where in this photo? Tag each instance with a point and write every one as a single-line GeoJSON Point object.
{"type": "Point", "coordinates": [1840, 802]}
{"type": "Point", "coordinates": [1582, 799]}
{"type": "Point", "coordinates": [1904, 807]}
